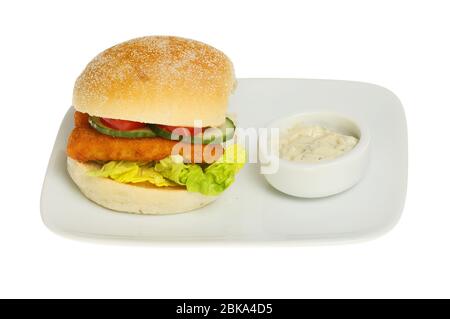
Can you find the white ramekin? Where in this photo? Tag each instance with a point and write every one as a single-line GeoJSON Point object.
{"type": "Point", "coordinates": [324, 178]}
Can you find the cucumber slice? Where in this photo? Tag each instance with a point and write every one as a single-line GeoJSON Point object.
{"type": "Point", "coordinates": [99, 126]}
{"type": "Point", "coordinates": [214, 135]}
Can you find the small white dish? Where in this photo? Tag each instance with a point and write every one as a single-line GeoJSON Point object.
{"type": "Point", "coordinates": [324, 178]}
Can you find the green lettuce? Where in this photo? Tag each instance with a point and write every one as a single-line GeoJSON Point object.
{"type": "Point", "coordinates": [131, 172]}
{"type": "Point", "coordinates": [212, 180]}
{"type": "Point", "coordinates": [171, 171]}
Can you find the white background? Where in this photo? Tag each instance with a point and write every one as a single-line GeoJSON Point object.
{"type": "Point", "coordinates": [401, 45]}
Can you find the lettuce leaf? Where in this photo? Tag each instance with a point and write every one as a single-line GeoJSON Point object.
{"type": "Point", "coordinates": [213, 180]}
{"type": "Point", "coordinates": [171, 171]}
{"type": "Point", "coordinates": [131, 172]}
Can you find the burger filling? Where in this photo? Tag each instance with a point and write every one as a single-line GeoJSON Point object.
{"type": "Point", "coordinates": [133, 152]}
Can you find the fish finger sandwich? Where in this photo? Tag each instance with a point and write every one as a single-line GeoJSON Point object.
{"type": "Point", "coordinates": [151, 132]}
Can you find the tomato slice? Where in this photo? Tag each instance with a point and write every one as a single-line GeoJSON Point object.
{"type": "Point", "coordinates": [192, 130]}
{"type": "Point", "coordinates": [122, 125]}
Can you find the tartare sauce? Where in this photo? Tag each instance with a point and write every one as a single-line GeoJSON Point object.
{"type": "Point", "coordinates": [302, 143]}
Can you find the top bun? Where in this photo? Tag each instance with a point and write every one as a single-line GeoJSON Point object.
{"type": "Point", "coordinates": [157, 79]}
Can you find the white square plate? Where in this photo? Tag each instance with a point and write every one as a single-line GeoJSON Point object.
{"type": "Point", "coordinates": [251, 210]}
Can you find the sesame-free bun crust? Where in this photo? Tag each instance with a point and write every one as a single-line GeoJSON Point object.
{"type": "Point", "coordinates": [132, 198]}
{"type": "Point", "coordinates": [157, 79]}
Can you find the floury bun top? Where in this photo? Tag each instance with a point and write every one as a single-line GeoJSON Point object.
{"type": "Point", "coordinates": [157, 79]}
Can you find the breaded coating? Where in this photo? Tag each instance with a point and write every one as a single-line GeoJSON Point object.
{"type": "Point", "coordinates": [87, 144]}
{"type": "Point", "coordinates": [81, 119]}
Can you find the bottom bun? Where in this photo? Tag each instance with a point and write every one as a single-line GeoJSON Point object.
{"type": "Point", "coordinates": [133, 198]}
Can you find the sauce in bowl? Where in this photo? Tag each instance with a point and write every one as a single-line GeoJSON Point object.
{"type": "Point", "coordinates": [303, 143]}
